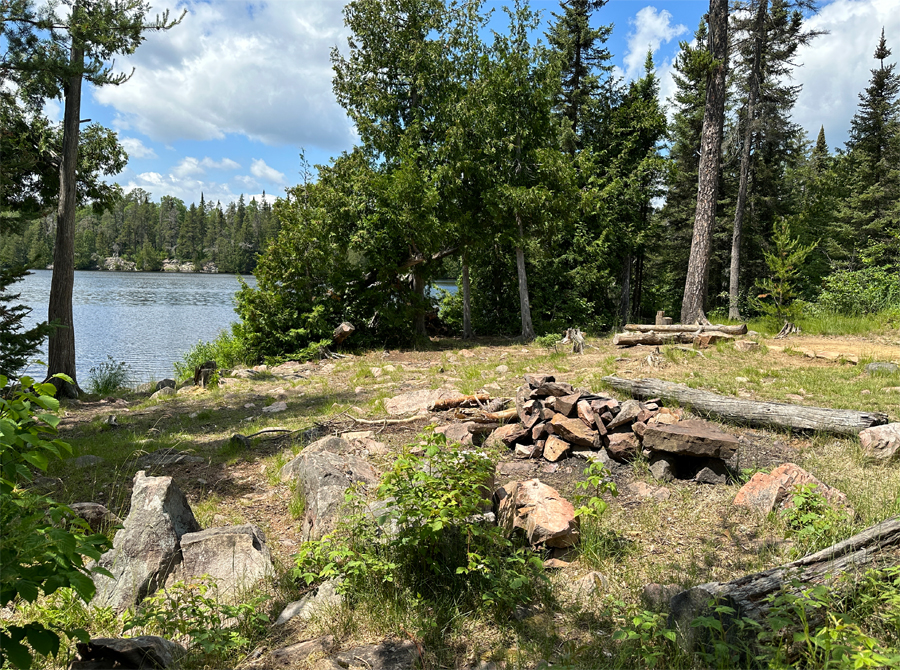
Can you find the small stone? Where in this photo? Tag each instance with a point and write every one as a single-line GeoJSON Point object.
{"type": "Point", "coordinates": [529, 450]}
{"type": "Point", "coordinates": [589, 585]}
{"type": "Point", "coordinates": [566, 405]}
{"type": "Point", "coordinates": [662, 466]}
{"type": "Point", "coordinates": [622, 446]}
{"type": "Point", "coordinates": [555, 564]}
{"type": "Point", "coordinates": [575, 432]}
{"type": "Point", "coordinates": [741, 380]}
{"type": "Point", "coordinates": [766, 492]}
{"type": "Point", "coordinates": [536, 381]}
{"type": "Point", "coordinates": [389, 368]}
{"type": "Point", "coordinates": [376, 372]}
{"type": "Point", "coordinates": [891, 389]}
{"type": "Point", "coordinates": [712, 472]}
{"type": "Point", "coordinates": [746, 345]}
{"type": "Point", "coordinates": [865, 392]}
{"type": "Point", "coordinates": [164, 392]}
{"type": "Point", "coordinates": [882, 368]}
{"type": "Point", "coordinates": [279, 406]}
{"type": "Point", "coordinates": [502, 369]}
{"type": "Point", "coordinates": [555, 448]}
{"type": "Point", "coordinates": [628, 412]}
{"type": "Point", "coordinates": [881, 443]}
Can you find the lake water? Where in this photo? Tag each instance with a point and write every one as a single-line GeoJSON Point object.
{"type": "Point", "coordinates": [149, 320]}
{"type": "Point", "coordinates": [146, 319]}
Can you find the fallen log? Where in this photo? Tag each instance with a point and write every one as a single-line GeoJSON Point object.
{"type": "Point", "coordinates": [681, 328]}
{"type": "Point", "coordinates": [654, 338]}
{"type": "Point", "coordinates": [459, 401]}
{"type": "Point", "coordinates": [752, 412]}
{"type": "Point", "coordinates": [875, 547]}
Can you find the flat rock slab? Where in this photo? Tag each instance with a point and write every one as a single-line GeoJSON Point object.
{"type": "Point", "coordinates": [389, 655]}
{"type": "Point", "coordinates": [235, 557]}
{"type": "Point", "coordinates": [546, 518]}
{"type": "Point", "coordinates": [765, 493]}
{"type": "Point", "coordinates": [417, 401]}
{"type": "Point", "coordinates": [145, 651]}
{"type": "Point", "coordinates": [881, 443]}
{"type": "Point", "coordinates": [146, 550]}
{"type": "Point", "coordinates": [293, 655]}
{"type": "Point", "coordinates": [555, 448]}
{"type": "Point", "coordinates": [691, 438]}
{"type": "Point", "coordinates": [575, 432]}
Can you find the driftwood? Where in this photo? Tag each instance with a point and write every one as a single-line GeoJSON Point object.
{"type": "Point", "coordinates": [459, 401]}
{"type": "Point", "coordinates": [754, 413]}
{"type": "Point", "coordinates": [632, 339]}
{"type": "Point", "coordinates": [875, 547]}
{"type": "Point", "coordinates": [680, 328]}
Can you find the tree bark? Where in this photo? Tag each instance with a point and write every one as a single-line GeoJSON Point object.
{"type": "Point", "coordinates": [419, 289]}
{"type": "Point", "coordinates": [752, 412]}
{"type": "Point", "coordinates": [468, 334]}
{"type": "Point", "coordinates": [753, 85]}
{"type": "Point", "coordinates": [877, 546]}
{"type": "Point", "coordinates": [625, 296]}
{"type": "Point", "coordinates": [679, 328]}
{"type": "Point", "coordinates": [708, 184]}
{"type": "Point", "coordinates": [61, 345]}
{"type": "Point", "coordinates": [654, 338]}
{"type": "Point", "coordinates": [524, 304]}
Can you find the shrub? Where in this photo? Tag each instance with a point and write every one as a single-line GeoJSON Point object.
{"type": "Point", "coordinates": [39, 553]}
{"type": "Point", "coordinates": [108, 377]}
{"type": "Point", "coordinates": [191, 613]}
{"type": "Point", "coordinates": [858, 292]}
{"type": "Point", "coordinates": [227, 350]}
{"type": "Point", "coordinates": [811, 521]}
{"type": "Point", "coordinates": [430, 540]}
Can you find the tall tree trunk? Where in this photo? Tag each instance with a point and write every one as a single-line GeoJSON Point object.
{"type": "Point", "coordinates": [61, 346]}
{"type": "Point", "coordinates": [419, 289]}
{"type": "Point", "coordinates": [637, 295]}
{"type": "Point", "coordinates": [625, 295]}
{"type": "Point", "coordinates": [468, 334]}
{"type": "Point", "coordinates": [524, 304]}
{"type": "Point", "coordinates": [753, 85]}
{"type": "Point", "coordinates": [708, 187]}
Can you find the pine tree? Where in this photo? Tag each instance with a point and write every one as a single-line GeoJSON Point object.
{"type": "Point", "coordinates": [583, 61]}
{"type": "Point", "coordinates": [871, 211]}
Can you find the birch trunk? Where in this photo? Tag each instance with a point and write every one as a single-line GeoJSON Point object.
{"type": "Point", "coordinates": [524, 304]}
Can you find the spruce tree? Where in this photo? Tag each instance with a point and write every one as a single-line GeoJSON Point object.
{"type": "Point", "coordinates": [871, 211]}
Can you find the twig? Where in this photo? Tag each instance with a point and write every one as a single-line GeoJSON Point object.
{"type": "Point", "coordinates": [391, 422]}
{"type": "Point", "coordinates": [272, 430]}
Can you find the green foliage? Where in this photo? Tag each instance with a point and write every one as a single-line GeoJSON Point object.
{"type": "Point", "coordinates": [427, 538]}
{"type": "Point", "coordinates": [193, 614]}
{"type": "Point", "coordinates": [108, 377]}
{"type": "Point", "coordinates": [859, 292]}
{"type": "Point", "coordinates": [227, 350]}
{"type": "Point", "coordinates": [811, 520]}
{"type": "Point", "coordinates": [42, 551]}
{"type": "Point", "coordinates": [598, 481]}
{"type": "Point", "coordinates": [17, 345]}
{"type": "Point", "coordinates": [645, 638]}
{"type": "Point", "coordinates": [785, 264]}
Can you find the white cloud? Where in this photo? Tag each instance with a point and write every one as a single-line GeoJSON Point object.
{"type": "Point", "coordinates": [190, 165]}
{"type": "Point", "coordinates": [835, 68]}
{"type": "Point", "coordinates": [264, 74]}
{"type": "Point", "coordinates": [186, 188]}
{"type": "Point", "coordinates": [136, 148]}
{"type": "Point", "coordinates": [260, 170]}
{"type": "Point", "coordinates": [652, 28]}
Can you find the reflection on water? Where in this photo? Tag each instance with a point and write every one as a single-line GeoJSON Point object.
{"type": "Point", "coordinates": [146, 319]}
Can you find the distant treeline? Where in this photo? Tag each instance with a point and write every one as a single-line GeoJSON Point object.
{"type": "Point", "coordinates": [146, 233]}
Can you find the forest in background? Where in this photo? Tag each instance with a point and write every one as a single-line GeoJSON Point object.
{"type": "Point", "coordinates": [144, 232]}
{"type": "Point", "coordinates": [561, 195]}
{"type": "Point", "coordinates": [556, 193]}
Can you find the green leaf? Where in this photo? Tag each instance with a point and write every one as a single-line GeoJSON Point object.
{"type": "Point", "coordinates": [42, 640]}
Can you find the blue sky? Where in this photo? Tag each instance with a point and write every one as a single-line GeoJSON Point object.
{"type": "Point", "coordinates": [223, 103]}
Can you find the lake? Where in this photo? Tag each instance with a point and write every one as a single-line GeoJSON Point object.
{"type": "Point", "coordinates": [149, 320]}
{"type": "Point", "coordinates": [146, 319]}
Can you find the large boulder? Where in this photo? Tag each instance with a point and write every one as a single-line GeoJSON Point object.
{"type": "Point", "coordinates": [881, 443]}
{"type": "Point", "coordinates": [546, 518]}
{"type": "Point", "coordinates": [765, 493]}
{"type": "Point", "coordinates": [235, 557]}
{"type": "Point", "coordinates": [146, 550]}
{"type": "Point", "coordinates": [690, 438]}
{"type": "Point", "coordinates": [323, 472]}
{"type": "Point", "coordinates": [134, 653]}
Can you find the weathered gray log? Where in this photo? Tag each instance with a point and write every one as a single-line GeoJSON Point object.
{"type": "Point", "coordinates": [752, 412]}
{"type": "Point", "coordinates": [875, 547]}
{"type": "Point", "coordinates": [681, 328]}
{"type": "Point", "coordinates": [652, 338]}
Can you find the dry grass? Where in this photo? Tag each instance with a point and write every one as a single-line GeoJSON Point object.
{"type": "Point", "coordinates": [693, 537]}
